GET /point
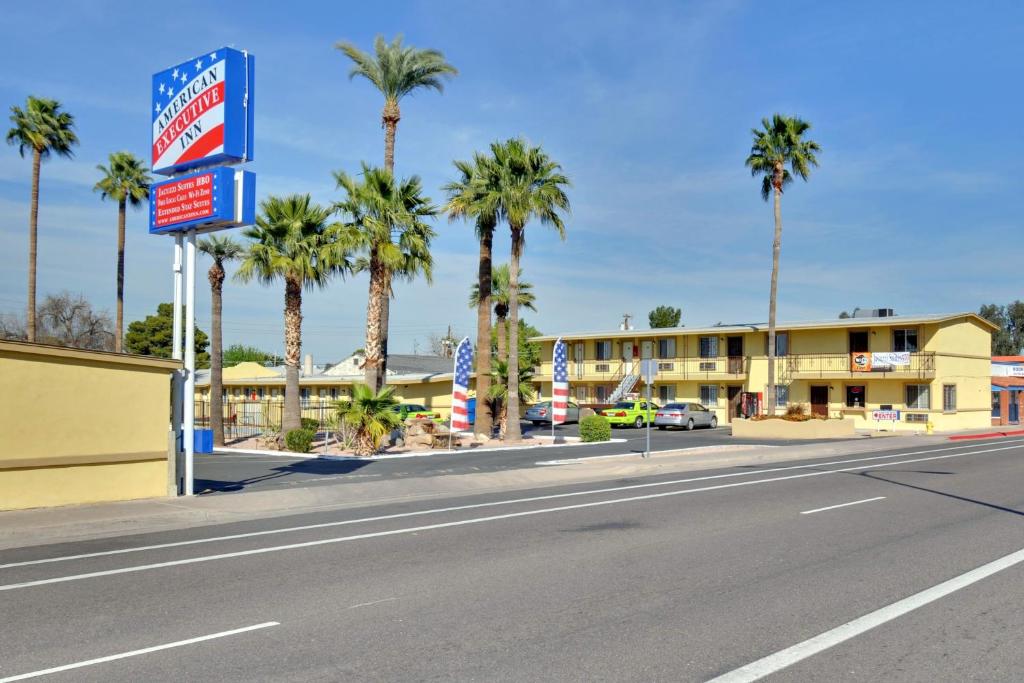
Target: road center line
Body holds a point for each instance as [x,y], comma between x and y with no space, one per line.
[475,506]
[842,505]
[135,653]
[466,522]
[812,646]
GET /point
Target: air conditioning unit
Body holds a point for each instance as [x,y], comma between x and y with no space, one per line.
[709,366]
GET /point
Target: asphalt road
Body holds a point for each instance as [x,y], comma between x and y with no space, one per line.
[230,473]
[679,578]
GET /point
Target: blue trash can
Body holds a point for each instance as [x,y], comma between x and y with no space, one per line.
[471,410]
[202,441]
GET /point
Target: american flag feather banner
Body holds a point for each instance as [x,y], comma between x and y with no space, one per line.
[560,383]
[460,386]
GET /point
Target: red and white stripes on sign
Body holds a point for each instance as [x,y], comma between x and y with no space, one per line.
[559,401]
[460,413]
[191,126]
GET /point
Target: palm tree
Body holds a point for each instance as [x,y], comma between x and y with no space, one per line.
[396,70]
[499,296]
[126,182]
[221,250]
[529,185]
[499,392]
[384,222]
[777,143]
[44,129]
[372,415]
[292,241]
[467,198]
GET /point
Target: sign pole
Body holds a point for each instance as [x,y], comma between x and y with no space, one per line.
[647,452]
[178,379]
[189,404]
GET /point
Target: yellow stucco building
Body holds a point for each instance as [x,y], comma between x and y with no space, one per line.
[930,368]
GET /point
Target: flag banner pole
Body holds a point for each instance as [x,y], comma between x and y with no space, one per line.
[559,386]
[459,414]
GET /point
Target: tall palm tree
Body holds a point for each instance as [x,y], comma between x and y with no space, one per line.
[778,143]
[529,186]
[292,241]
[384,223]
[221,250]
[396,70]
[44,129]
[499,297]
[499,392]
[467,199]
[126,182]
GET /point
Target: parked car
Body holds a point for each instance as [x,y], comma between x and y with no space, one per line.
[637,413]
[539,413]
[415,410]
[685,415]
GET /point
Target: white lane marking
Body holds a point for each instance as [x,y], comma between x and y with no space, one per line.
[812,646]
[463,522]
[474,506]
[135,653]
[717,447]
[842,505]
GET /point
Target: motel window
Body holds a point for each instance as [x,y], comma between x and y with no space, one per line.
[856,395]
[781,395]
[709,347]
[275,392]
[224,394]
[666,393]
[304,393]
[781,344]
[709,394]
[666,348]
[237,392]
[997,408]
[581,394]
[603,350]
[334,393]
[259,393]
[949,398]
[918,396]
[601,393]
[904,340]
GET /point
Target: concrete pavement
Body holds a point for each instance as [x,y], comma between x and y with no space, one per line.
[667,577]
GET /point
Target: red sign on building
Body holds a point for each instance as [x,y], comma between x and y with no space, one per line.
[184,200]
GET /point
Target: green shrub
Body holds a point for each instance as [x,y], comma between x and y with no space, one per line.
[595,428]
[311,423]
[299,440]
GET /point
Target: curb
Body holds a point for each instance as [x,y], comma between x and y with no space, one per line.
[987,435]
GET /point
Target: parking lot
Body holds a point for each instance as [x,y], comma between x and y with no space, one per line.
[226,473]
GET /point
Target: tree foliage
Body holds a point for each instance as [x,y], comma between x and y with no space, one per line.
[239,353]
[43,128]
[64,319]
[1008,340]
[152,336]
[371,414]
[665,316]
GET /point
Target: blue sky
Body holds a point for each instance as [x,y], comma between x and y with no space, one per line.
[917,204]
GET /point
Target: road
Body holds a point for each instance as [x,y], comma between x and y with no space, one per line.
[231,473]
[903,565]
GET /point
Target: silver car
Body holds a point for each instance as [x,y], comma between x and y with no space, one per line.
[539,413]
[685,415]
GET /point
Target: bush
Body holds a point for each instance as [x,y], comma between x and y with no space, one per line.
[595,428]
[311,423]
[299,440]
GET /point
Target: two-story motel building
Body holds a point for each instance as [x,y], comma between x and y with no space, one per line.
[931,368]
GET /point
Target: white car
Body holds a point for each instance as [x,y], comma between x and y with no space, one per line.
[685,415]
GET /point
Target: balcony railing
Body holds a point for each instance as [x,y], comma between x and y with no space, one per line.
[919,364]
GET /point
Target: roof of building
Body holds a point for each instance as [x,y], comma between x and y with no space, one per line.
[1012,360]
[758,327]
[1004,382]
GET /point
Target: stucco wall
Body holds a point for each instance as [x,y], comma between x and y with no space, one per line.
[81,426]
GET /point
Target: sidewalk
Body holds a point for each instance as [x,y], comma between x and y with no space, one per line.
[21,528]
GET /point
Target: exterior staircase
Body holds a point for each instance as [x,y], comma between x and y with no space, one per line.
[625,386]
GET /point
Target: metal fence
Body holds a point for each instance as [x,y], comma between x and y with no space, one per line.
[245,419]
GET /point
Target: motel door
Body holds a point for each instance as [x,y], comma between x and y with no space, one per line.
[735,395]
[819,401]
[1014,407]
[628,351]
[734,349]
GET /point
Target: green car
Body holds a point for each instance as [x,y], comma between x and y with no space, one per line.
[636,413]
[415,410]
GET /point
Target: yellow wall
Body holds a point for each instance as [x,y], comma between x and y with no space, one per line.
[103,437]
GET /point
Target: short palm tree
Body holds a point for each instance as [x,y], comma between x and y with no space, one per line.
[528,186]
[397,70]
[371,415]
[125,181]
[292,241]
[221,250]
[44,129]
[498,394]
[383,222]
[778,143]
[468,199]
[499,297]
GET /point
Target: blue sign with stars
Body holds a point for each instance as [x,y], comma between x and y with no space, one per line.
[202,112]
[209,200]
